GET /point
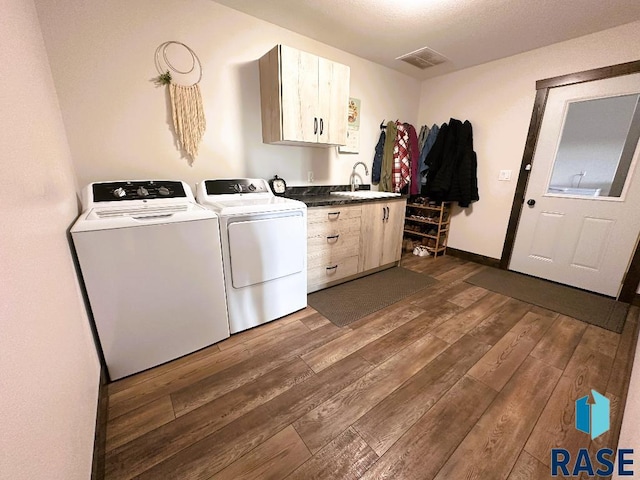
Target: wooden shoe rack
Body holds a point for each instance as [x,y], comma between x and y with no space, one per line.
[428,222]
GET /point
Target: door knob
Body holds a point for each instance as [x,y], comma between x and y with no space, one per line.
[531,202]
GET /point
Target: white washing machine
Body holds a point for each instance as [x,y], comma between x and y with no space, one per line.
[151,261]
[264,249]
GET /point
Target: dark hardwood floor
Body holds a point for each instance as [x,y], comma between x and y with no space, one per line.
[453,382]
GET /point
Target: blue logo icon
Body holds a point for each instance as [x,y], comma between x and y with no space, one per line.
[593,418]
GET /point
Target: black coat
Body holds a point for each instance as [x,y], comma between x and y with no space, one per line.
[452,174]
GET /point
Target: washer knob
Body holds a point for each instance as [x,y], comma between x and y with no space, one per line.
[143,192]
[252,187]
[119,192]
[163,190]
[238,188]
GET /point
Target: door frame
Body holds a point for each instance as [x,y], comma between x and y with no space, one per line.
[632,276]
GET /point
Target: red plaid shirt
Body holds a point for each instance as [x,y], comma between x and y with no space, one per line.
[401,165]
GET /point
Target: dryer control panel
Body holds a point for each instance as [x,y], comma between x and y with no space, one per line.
[237,185]
[137,190]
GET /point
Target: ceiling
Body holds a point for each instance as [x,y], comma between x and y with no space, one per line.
[466,32]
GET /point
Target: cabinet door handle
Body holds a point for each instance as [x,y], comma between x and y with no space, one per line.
[384,213]
[337,214]
[315,125]
[333,267]
[333,237]
[388,213]
[321,126]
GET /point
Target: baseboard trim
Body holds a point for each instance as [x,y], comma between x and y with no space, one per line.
[474,257]
[100,437]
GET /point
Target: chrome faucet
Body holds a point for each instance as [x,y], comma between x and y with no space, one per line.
[353,174]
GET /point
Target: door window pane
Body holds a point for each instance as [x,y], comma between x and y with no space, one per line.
[598,141]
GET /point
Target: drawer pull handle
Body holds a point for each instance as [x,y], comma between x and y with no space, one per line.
[332,268]
[337,214]
[333,237]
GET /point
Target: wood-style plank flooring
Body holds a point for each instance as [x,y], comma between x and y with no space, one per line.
[452,382]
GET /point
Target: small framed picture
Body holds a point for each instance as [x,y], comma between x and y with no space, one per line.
[353,128]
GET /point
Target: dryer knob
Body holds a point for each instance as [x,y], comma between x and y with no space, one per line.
[238,188]
[119,192]
[143,192]
[163,191]
[252,187]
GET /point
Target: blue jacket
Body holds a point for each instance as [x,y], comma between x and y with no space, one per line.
[377,159]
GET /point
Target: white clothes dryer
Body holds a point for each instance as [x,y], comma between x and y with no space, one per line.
[151,262]
[264,249]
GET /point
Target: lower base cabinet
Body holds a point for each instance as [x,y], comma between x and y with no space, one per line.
[381,238]
[345,241]
[333,244]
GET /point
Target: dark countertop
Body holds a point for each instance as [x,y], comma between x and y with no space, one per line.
[320,196]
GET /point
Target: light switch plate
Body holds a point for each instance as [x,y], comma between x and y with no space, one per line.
[505,175]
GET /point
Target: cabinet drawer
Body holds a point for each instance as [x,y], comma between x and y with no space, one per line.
[328,253]
[344,227]
[334,240]
[327,273]
[333,214]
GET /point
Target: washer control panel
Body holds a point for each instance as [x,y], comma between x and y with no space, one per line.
[237,185]
[140,190]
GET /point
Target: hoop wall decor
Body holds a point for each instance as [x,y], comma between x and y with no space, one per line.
[186,101]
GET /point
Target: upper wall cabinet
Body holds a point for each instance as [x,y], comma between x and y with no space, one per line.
[304,98]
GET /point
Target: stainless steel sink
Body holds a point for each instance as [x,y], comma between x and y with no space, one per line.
[366,194]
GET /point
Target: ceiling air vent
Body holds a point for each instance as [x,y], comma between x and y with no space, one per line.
[423,58]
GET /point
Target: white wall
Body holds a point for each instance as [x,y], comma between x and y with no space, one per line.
[49,371]
[102,58]
[497,98]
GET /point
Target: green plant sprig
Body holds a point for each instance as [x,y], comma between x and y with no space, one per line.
[163,79]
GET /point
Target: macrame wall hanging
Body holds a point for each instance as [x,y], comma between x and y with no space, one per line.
[186,101]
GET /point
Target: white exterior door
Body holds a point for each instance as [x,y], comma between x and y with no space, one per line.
[580,223]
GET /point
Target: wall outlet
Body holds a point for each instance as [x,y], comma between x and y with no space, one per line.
[505,175]
[310,176]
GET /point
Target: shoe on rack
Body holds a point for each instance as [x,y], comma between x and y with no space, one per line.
[416,251]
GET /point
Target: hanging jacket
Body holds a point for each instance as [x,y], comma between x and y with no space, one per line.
[414,158]
[452,174]
[401,167]
[440,183]
[428,144]
[464,185]
[422,136]
[433,161]
[386,171]
[376,167]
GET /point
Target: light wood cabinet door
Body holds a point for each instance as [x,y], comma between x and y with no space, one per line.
[299,79]
[372,235]
[304,98]
[381,237]
[394,225]
[333,107]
